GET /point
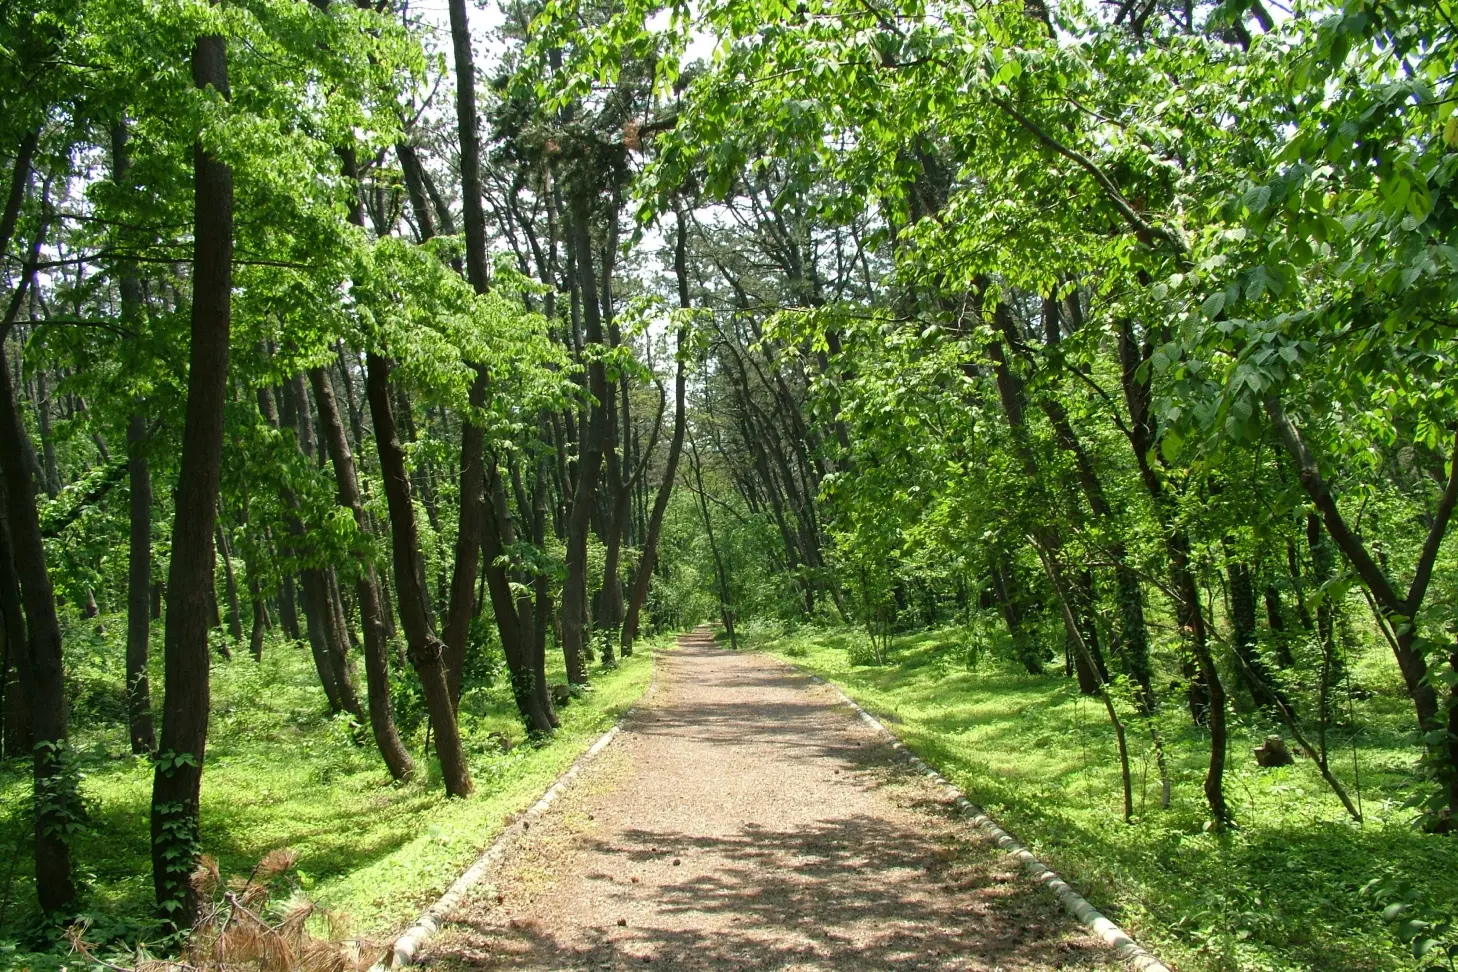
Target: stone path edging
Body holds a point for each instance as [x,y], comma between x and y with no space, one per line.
[407,948]
[1124,947]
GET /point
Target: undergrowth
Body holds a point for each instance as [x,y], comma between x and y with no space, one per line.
[1281,891]
[280,772]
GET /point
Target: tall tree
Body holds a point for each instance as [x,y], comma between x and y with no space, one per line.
[427,651]
[178,779]
[643,575]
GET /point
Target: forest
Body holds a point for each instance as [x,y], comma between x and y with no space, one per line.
[384,384]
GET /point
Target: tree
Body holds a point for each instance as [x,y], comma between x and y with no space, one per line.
[178,779]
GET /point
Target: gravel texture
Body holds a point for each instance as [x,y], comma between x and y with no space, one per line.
[746,819]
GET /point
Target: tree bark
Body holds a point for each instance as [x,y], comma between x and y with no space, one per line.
[288,608]
[1396,608]
[377,658]
[139,585]
[235,613]
[590,453]
[513,623]
[643,576]
[38,662]
[426,649]
[1254,672]
[1206,693]
[726,611]
[178,779]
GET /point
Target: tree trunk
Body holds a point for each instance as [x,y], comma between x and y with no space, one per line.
[1005,589]
[38,662]
[288,608]
[235,614]
[590,450]
[425,648]
[377,658]
[473,514]
[139,584]
[643,576]
[1206,693]
[178,779]
[513,623]
[316,618]
[48,439]
[1276,621]
[726,611]
[321,624]
[351,399]
[1243,628]
[15,736]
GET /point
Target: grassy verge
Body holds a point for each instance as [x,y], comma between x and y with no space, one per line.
[1280,892]
[281,773]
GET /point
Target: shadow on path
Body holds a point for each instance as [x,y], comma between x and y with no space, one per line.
[747,820]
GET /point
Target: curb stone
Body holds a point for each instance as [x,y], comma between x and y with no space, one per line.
[1124,946]
[407,949]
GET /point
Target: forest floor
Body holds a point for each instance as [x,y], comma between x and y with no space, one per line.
[745,818]
[1283,891]
[282,773]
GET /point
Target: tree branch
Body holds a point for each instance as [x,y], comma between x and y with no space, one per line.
[1145,230]
[1311,480]
[1419,586]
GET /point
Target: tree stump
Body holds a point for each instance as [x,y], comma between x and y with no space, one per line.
[1273,752]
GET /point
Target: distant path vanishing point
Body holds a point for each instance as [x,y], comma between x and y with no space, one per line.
[745,818]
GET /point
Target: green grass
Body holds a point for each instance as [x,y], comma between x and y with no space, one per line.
[280,773]
[1280,892]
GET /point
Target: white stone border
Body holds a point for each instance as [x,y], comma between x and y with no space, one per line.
[1124,947]
[406,949]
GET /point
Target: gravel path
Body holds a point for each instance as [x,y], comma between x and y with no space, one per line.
[746,819]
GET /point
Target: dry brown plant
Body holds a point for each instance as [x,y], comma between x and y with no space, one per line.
[242,928]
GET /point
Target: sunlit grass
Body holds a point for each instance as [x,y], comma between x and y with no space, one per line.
[280,772]
[1279,892]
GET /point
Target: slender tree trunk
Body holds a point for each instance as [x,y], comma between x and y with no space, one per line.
[139,584]
[473,511]
[590,454]
[321,625]
[316,615]
[643,576]
[19,182]
[542,587]
[726,611]
[15,736]
[1206,692]
[426,649]
[260,619]
[235,614]
[178,780]
[139,554]
[1009,601]
[377,658]
[48,439]
[1276,621]
[1253,669]
[473,514]
[1089,663]
[351,398]
[38,662]
[288,608]
[512,620]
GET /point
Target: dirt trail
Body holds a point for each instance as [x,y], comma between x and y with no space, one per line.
[746,819]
